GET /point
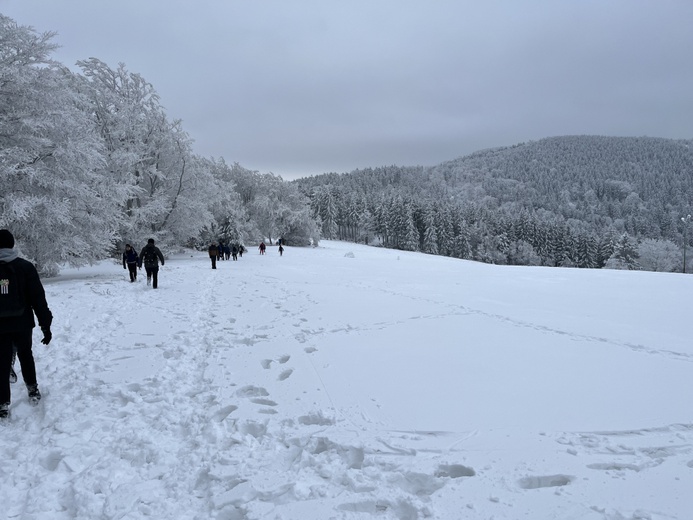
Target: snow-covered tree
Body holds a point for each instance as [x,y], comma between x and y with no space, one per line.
[402,233]
[659,255]
[166,193]
[53,198]
[625,254]
[430,238]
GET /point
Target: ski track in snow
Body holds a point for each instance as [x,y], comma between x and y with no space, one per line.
[100,447]
[461,310]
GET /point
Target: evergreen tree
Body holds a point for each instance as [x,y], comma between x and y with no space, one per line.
[586,251]
[625,254]
[430,239]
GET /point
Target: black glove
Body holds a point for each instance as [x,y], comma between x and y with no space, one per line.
[47,335]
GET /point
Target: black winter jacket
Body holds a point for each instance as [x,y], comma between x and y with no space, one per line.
[35,300]
[156,255]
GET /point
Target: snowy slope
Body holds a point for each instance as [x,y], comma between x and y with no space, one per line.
[350,382]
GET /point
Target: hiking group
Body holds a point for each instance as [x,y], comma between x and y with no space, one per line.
[220,251]
[21,296]
[223,251]
[150,256]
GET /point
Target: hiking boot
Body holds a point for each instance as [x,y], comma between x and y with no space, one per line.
[13,376]
[4,411]
[34,394]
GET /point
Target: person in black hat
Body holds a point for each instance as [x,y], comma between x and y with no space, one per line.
[21,296]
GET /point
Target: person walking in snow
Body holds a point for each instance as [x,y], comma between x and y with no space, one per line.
[262,248]
[213,254]
[281,250]
[130,261]
[234,252]
[150,256]
[21,296]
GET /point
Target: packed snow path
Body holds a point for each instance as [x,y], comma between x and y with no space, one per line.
[352,382]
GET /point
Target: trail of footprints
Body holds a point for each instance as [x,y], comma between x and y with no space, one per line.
[260,396]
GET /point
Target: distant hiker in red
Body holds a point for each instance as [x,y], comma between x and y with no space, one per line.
[262,248]
[150,256]
[213,254]
[130,259]
[21,296]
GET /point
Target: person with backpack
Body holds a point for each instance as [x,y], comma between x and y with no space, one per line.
[21,296]
[150,257]
[130,259]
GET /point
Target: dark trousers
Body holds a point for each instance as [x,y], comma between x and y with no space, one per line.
[153,273]
[21,341]
[214,262]
[133,271]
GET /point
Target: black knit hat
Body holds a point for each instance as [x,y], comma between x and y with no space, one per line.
[150,241]
[6,239]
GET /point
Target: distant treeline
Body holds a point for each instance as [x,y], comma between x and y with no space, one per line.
[582,201]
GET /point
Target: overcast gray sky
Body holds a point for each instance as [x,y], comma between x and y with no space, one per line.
[305,87]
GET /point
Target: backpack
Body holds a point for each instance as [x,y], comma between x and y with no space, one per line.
[150,256]
[12,297]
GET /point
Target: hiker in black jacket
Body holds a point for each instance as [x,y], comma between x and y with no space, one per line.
[150,256]
[130,261]
[213,254]
[21,296]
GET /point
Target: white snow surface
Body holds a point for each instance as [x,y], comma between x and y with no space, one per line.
[351,382]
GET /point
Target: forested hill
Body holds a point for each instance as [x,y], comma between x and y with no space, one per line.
[572,189]
[592,171]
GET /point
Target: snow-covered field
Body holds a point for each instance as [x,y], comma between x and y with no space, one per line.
[348,382]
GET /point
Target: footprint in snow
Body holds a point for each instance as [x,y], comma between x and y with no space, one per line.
[224,412]
[252,391]
[454,471]
[264,402]
[285,374]
[545,481]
